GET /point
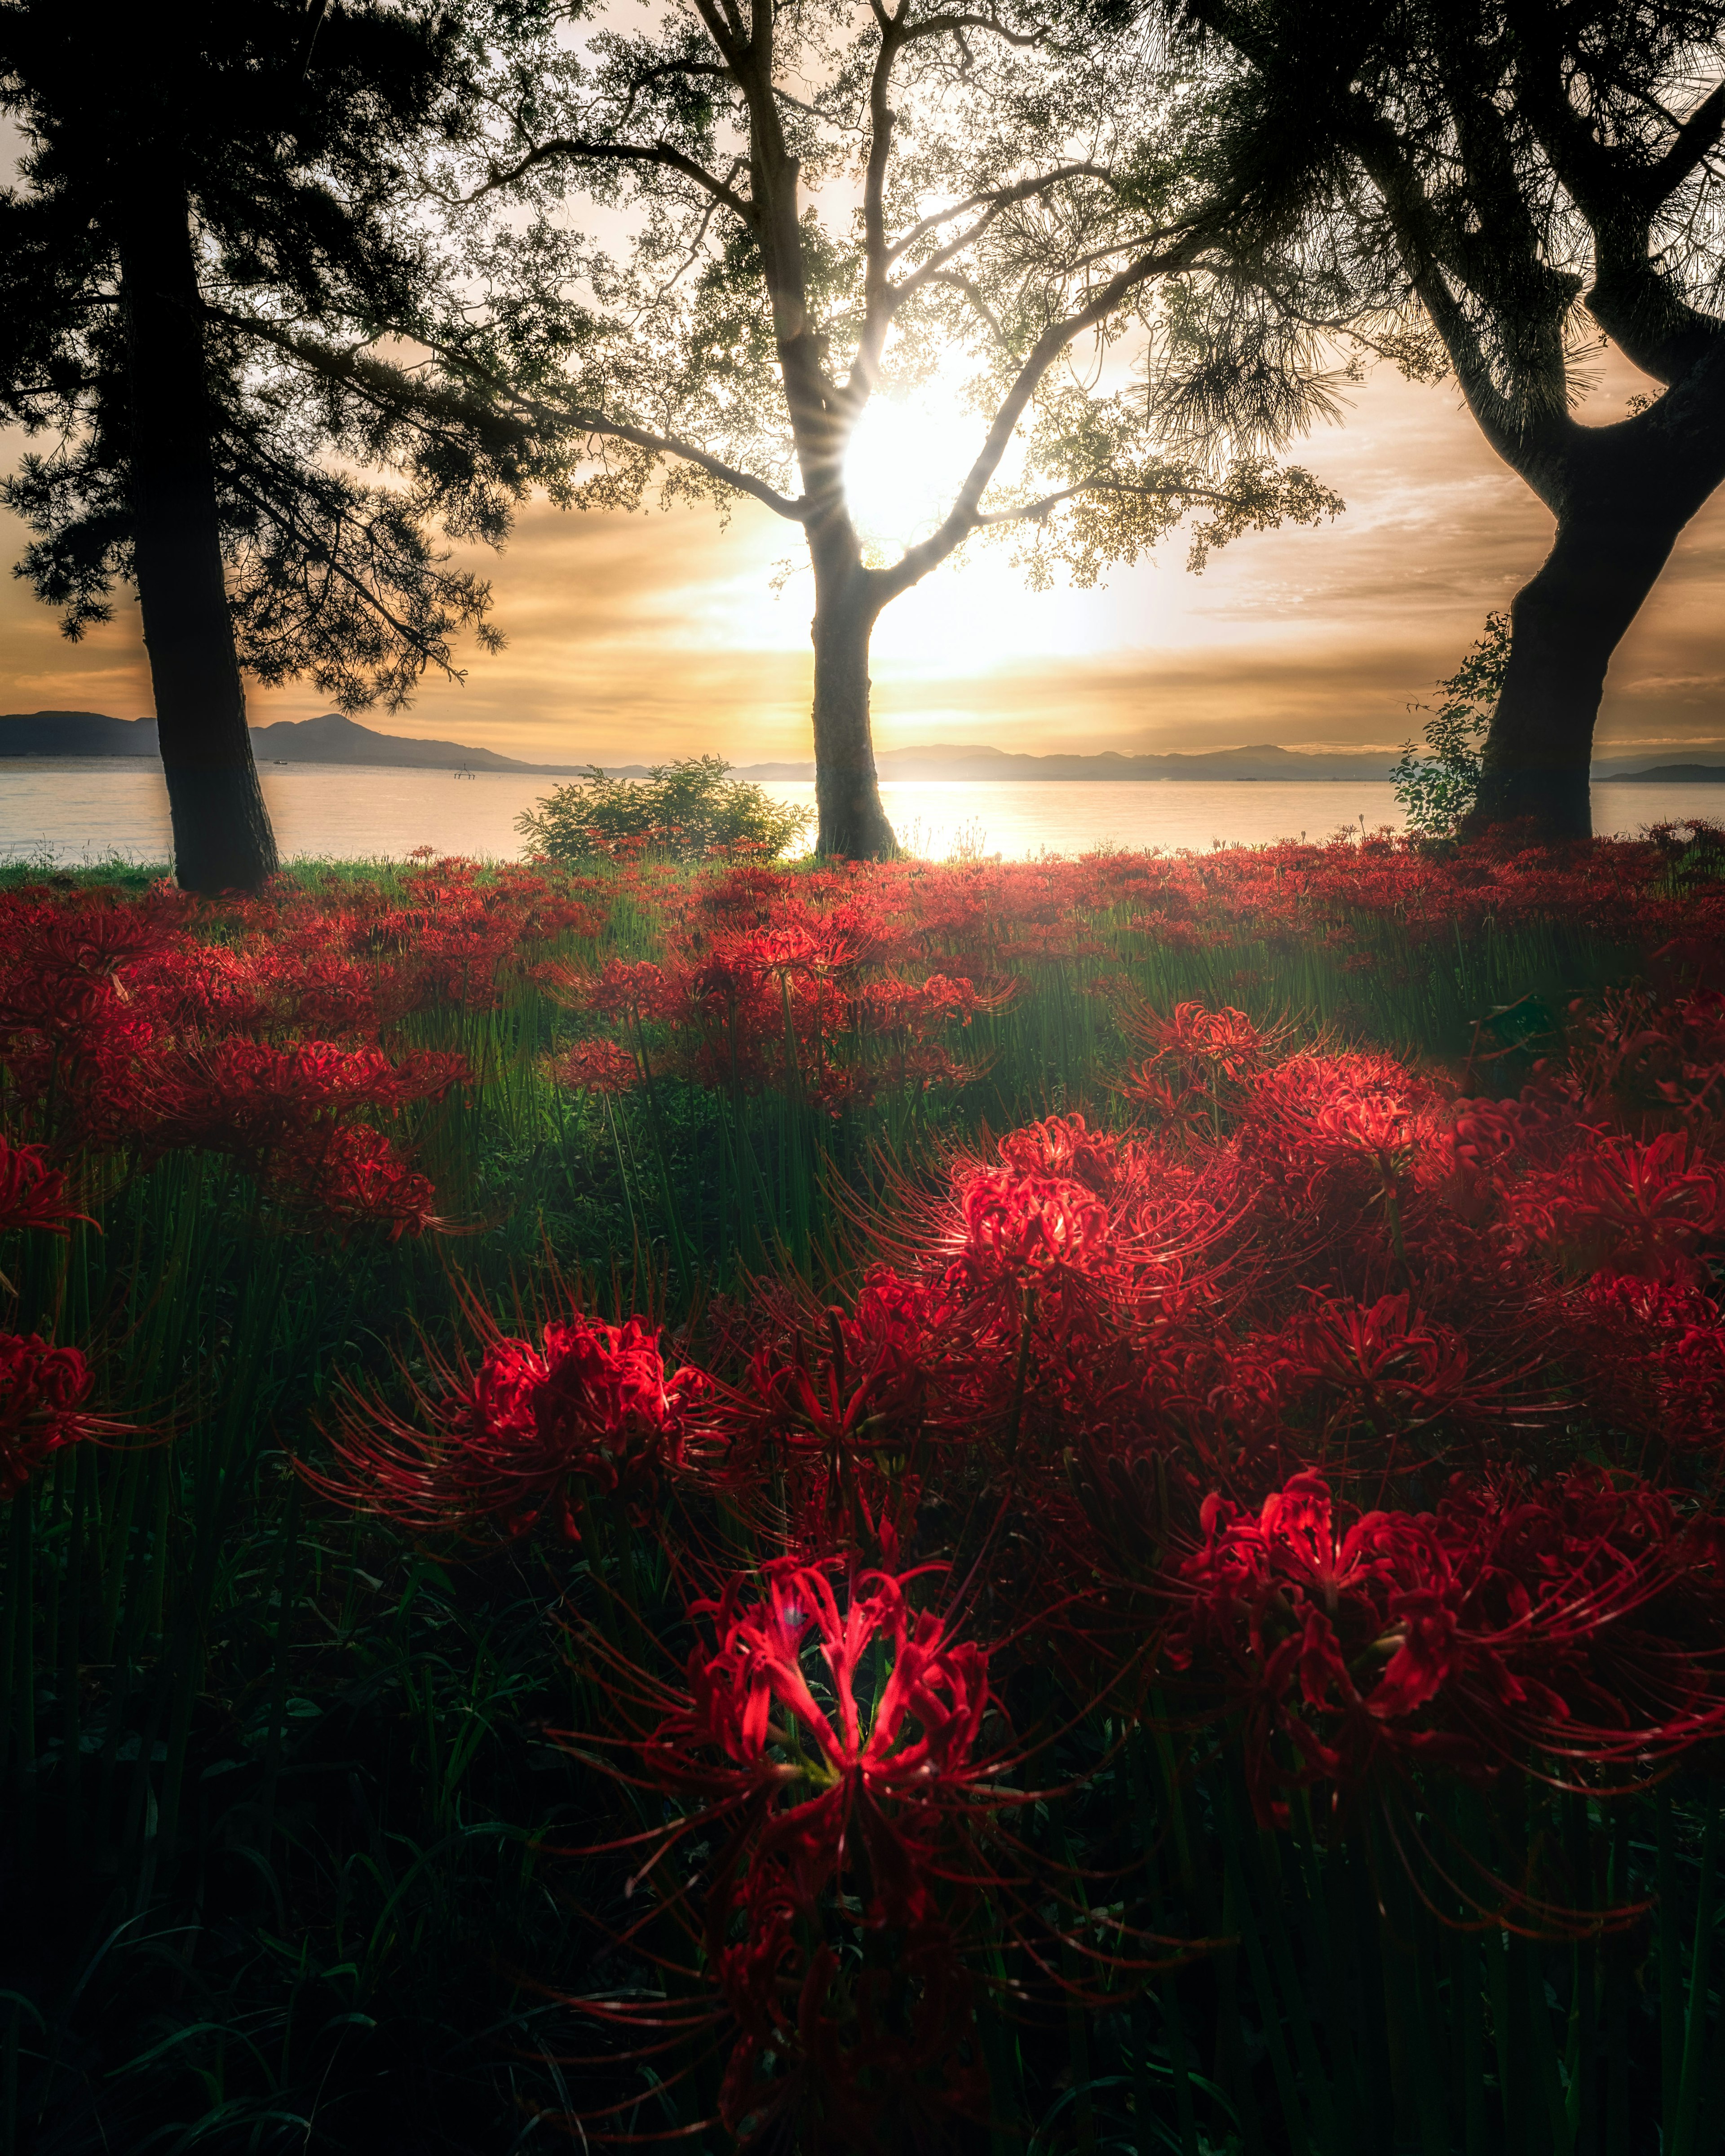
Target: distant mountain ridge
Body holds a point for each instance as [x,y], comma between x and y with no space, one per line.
[75,733]
[331,739]
[335,739]
[1665,774]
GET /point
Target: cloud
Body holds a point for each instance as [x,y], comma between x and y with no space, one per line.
[659,635]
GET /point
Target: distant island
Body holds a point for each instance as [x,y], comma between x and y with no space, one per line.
[1667,774]
[331,739]
[335,739]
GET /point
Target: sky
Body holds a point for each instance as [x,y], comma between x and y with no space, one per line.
[641,638]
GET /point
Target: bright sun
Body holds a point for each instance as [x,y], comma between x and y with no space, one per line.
[905,462]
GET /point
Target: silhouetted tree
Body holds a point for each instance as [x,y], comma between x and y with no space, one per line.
[1488,189]
[215,227]
[803,203]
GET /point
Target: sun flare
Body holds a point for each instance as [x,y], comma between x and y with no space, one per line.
[906,461]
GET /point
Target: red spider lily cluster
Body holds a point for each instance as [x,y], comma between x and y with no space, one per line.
[519,1433]
[1319,1399]
[251,1029]
[849,984]
[1288,1390]
[254,1028]
[816,1001]
[43,1388]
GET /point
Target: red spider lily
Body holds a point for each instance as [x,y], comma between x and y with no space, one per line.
[1033,1228]
[1623,1206]
[287,1116]
[1315,1114]
[833,1788]
[845,1408]
[622,986]
[1501,1627]
[1202,1058]
[1225,1041]
[522,1436]
[354,1175]
[42,1390]
[32,1193]
[1651,1355]
[745,888]
[847,1822]
[596,1066]
[810,945]
[63,964]
[1386,1368]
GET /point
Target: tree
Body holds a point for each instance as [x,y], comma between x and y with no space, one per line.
[1488,189]
[215,228]
[821,202]
[1440,791]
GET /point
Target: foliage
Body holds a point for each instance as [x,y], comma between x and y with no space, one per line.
[1437,790]
[1489,191]
[1474,187]
[287,136]
[964,1506]
[686,811]
[829,206]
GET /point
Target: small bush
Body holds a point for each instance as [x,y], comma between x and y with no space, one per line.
[1436,790]
[688,811]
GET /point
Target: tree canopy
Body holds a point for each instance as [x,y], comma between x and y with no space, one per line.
[294,132]
[1486,190]
[707,240]
[215,227]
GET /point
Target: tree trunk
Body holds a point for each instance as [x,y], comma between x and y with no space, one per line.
[1565,625]
[222,836]
[852,822]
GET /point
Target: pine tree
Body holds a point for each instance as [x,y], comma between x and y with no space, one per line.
[217,224]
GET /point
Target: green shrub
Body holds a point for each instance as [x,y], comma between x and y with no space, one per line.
[1436,790]
[687,811]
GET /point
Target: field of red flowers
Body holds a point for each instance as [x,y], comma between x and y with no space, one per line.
[1052,1507]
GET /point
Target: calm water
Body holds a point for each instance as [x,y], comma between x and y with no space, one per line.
[91,807]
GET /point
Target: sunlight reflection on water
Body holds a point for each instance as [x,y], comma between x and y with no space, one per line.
[88,808]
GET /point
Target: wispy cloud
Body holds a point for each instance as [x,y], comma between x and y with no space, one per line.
[660,635]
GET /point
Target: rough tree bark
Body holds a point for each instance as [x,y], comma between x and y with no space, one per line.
[852,821]
[222,836]
[1621,496]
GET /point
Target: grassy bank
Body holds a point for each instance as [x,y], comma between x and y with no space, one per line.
[359,1781]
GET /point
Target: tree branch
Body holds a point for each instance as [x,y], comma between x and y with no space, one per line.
[577,152]
[946,26]
[1631,298]
[1033,512]
[588,421]
[1695,140]
[995,199]
[962,520]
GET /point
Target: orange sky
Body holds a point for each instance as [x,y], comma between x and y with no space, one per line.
[638,638]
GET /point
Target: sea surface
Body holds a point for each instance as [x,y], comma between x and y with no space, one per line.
[74,811]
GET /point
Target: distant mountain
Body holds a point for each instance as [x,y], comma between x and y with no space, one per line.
[334,739]
[1665,774]
[331,739]
[944,760]
[75,733]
